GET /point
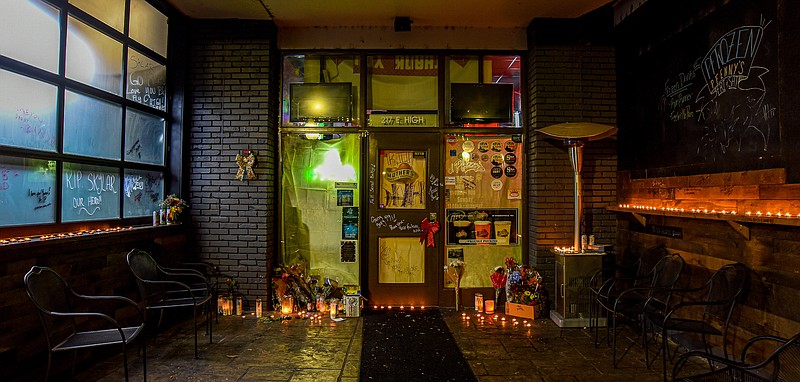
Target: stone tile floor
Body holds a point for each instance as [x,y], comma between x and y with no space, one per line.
[246,349]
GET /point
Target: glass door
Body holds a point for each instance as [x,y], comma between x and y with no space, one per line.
[403,191]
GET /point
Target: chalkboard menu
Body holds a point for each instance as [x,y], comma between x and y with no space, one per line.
[89,192]
[705,97]
[144,191]
[27,189]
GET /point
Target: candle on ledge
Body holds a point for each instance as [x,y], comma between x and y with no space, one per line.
[259,311]
[489,306]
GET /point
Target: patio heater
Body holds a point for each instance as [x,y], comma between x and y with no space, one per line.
[575,135]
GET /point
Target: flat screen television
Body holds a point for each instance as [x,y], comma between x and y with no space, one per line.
[322,102]
[481,103]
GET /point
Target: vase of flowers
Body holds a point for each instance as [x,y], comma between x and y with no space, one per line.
[454,272]
[498,278]
[173,206]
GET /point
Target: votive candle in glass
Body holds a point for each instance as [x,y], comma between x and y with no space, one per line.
[259,312]
[479,302]
[489,306]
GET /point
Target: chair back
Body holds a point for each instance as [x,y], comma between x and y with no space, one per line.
[725,287]
[145,269]
[50,293]
[665,275]
[647,264]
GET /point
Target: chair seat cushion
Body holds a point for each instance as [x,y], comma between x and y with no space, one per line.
[99,337]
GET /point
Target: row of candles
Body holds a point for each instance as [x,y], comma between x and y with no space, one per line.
[492,319]
[712,211]
[18,240]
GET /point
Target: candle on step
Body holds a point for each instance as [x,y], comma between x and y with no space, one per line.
[489,306]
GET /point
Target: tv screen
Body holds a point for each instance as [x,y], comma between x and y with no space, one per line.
[481,103]
[324,102]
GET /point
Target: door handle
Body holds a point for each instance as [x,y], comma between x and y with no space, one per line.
[563,290]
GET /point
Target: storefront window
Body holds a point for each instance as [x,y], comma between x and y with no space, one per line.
[483,203]
[321,90]
[403,91]
[484,91]
[320,205]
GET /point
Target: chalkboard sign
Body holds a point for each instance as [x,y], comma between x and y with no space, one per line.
[147,81]
[144,190]
[89,192]
[27,189]
[705,97]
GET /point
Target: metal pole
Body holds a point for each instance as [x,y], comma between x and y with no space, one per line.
[576,158]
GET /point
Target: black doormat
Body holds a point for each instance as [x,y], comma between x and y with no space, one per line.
[410,346]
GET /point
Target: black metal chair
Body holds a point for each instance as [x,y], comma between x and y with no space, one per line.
[163,289]
[781,364]
[630,303]
[63,312]
[606,291]
[709,315]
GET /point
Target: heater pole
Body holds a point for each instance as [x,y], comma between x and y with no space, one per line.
[576,158]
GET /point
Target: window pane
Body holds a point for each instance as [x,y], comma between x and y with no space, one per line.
[89,192]
[143,192]
[310,70]
[148,26]
[93,58]
[144,138]
[27,113]
[27,190]
[147,81]
[403,90]
[38,23]
[111,12]
[91,127]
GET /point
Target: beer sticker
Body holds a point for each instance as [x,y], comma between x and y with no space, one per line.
[483,146]
[497,185]
[468,146]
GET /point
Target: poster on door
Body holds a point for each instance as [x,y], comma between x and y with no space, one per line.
[484,226]
[403,179]
[483,170]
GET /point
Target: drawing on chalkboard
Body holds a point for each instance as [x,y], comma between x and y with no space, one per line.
[728,68]
[703,98]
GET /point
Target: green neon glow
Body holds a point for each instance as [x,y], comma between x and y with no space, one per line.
[332,168]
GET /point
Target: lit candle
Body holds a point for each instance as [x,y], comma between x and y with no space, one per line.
[489,306]
[258,308]
[479,302]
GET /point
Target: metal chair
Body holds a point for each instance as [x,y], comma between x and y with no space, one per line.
[171,288]
[63,311]
[630,303]
[605,292]
[710,315]
[782,364]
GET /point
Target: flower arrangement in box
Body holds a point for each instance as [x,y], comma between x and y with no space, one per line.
[524,285]
[304,290]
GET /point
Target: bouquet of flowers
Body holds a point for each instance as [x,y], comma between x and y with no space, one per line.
[454,272]
[174,207]
[498,278]
[173,202]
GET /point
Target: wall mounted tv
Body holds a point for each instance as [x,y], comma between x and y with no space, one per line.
[481,103]
[322,102]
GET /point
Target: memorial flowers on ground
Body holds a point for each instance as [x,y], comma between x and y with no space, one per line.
[454,272]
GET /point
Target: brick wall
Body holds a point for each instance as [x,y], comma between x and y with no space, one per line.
[568,82]
[232,107]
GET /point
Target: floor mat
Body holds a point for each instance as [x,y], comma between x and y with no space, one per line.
[410,346]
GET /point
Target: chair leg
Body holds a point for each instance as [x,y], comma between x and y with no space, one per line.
[144,357]
[614,340]
[194,315]
[49,362]
[665,351]
[125,359]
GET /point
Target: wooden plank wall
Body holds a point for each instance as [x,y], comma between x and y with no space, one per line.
[772,252]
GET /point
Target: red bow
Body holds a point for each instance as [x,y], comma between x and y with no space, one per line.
[428,229]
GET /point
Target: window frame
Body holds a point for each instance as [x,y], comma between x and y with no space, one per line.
[65,84]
